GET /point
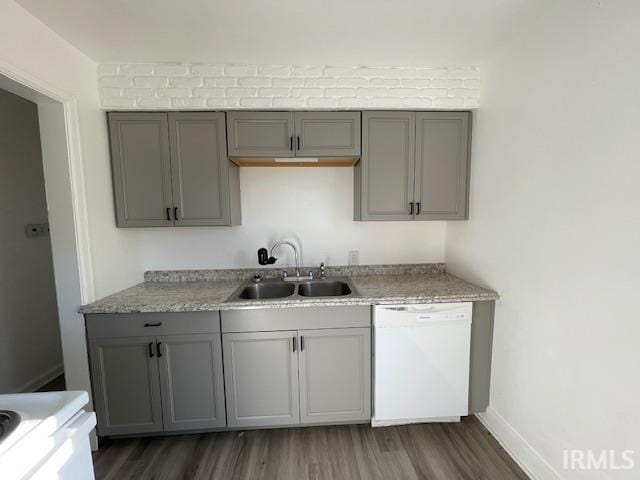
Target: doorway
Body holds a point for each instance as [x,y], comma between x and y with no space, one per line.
[30,347]
[67,212]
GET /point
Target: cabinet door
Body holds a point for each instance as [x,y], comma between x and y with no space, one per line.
[261,378]
[327,134]
[442,165]
[191,381]
[260,134]
[126,386]
[335,375]
[385,175]
[200,168]
[141,169]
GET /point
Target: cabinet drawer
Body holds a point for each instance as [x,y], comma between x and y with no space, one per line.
[143,324]
[271,319]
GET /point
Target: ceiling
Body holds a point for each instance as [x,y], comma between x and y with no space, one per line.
[334,32]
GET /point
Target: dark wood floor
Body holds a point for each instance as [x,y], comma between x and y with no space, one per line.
[463,450]
[439,451]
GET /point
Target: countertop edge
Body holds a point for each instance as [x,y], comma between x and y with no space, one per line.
[325,302]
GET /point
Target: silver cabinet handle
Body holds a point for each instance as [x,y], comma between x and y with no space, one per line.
[302,343]
[294,343]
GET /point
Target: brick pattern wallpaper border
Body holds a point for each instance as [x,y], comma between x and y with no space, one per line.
[147,86]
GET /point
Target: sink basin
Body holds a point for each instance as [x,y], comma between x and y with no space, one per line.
[259,291]
[9,420]
[293,289]
[324,288]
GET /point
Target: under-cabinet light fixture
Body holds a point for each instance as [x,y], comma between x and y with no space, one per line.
[297,160]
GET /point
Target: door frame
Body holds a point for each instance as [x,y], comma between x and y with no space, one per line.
[67,209]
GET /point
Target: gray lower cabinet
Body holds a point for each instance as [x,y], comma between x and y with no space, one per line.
[290,377]
[293,134]
[414,166]
[156,372]
[172,169]
[261,378]
[126,386]
[191,382]
[335,375]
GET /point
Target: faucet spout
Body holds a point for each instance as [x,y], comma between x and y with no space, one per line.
[295,253]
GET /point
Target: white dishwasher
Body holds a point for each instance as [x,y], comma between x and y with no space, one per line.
[421,363]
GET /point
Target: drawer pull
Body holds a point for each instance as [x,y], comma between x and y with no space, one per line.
[157,324]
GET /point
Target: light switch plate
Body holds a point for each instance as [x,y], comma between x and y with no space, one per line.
[354,257]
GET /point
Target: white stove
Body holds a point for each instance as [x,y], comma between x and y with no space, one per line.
[52,438]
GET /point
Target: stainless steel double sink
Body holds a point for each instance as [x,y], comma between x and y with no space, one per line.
[276,288]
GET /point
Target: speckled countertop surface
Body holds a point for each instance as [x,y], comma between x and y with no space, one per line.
[179,292]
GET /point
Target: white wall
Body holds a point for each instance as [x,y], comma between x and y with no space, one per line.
[30,52]
[120,256]
[33,48]
[554,228]
[30,351]
[313,206]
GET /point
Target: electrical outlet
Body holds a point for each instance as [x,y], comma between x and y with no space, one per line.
[354,257]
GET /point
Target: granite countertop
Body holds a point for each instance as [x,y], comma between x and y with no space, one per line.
[207,290]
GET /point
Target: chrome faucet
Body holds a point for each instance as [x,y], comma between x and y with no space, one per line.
[295,254]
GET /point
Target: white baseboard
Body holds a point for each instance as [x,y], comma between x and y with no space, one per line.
[533,464]
[40,380]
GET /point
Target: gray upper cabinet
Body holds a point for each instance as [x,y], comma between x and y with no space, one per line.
[384,177]
[201,171]
[261,378]
[327,134]
[414,166]
[172,169]
[191,381]
[335,375]
[126,389]
[260,134]
[442,165]
[141,168]
[293,134]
